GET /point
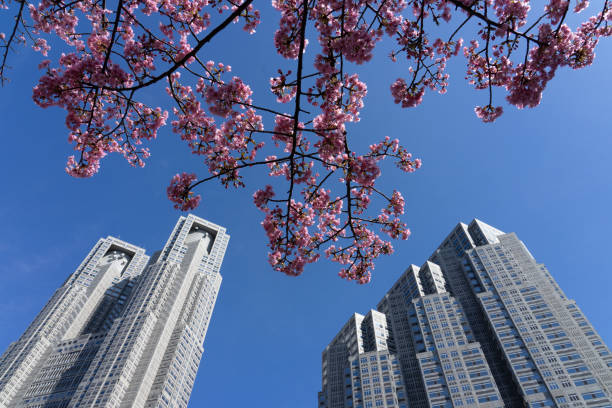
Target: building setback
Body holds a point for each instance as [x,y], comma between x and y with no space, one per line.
[123,330]
[480,324]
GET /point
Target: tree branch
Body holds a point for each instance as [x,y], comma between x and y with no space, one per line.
[10,40]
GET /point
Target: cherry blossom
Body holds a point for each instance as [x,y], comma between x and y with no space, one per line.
[325,198]
[179,192]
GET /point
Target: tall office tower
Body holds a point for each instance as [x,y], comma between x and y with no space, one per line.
[480,324]
[123,330]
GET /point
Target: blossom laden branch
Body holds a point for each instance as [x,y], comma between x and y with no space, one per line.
[325,199]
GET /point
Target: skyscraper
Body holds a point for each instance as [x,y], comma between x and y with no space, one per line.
[479,324]
[123,330]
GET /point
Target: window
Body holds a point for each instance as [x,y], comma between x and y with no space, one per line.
[488,398]
[593,395]
[585,381]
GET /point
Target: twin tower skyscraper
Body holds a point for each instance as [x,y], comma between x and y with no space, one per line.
[124,330]
[480,324]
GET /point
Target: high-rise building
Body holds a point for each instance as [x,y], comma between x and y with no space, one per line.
[123,330]
[480,324]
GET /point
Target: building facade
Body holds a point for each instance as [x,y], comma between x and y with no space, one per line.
[480,324]
[124,330]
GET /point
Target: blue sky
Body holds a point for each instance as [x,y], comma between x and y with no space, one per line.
[543,173]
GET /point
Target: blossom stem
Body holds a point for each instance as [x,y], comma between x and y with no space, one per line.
[7,46]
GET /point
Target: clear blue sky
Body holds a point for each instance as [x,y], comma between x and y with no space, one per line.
[543,173]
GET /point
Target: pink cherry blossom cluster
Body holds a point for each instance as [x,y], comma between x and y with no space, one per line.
[179,192]
[118,55]
[494,58]
[227,146]
[299,230]
[488,113]
[288,37]
[331,204]
[430,57]
[100,121]
[278,85]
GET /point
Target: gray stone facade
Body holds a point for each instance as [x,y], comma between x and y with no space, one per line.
[480,324]
[123,330]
